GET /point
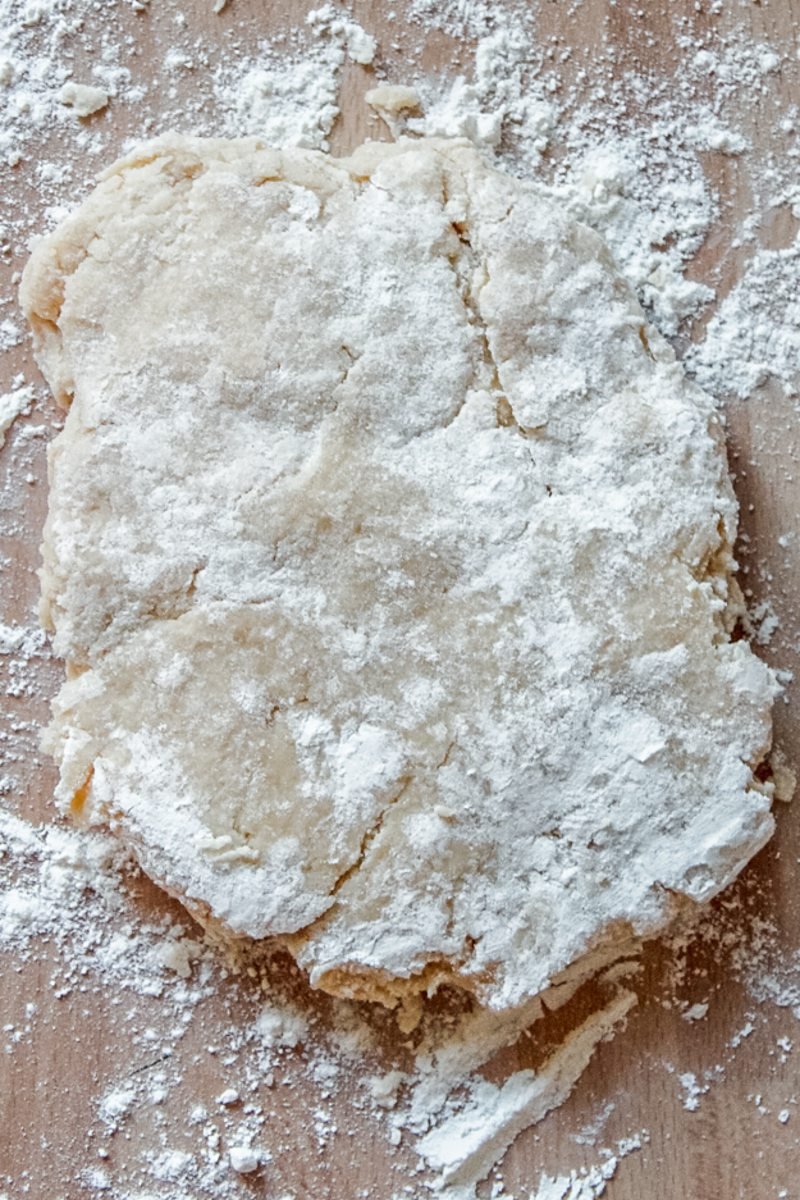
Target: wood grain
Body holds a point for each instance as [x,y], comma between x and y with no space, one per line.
[733,1145]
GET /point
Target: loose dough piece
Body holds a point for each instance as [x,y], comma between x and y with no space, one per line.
[389,552]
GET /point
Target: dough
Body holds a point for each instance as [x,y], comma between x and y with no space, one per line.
[389,552]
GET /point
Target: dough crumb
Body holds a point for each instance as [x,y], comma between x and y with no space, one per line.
[12,405]
[244,1159]
[393,98]
[83,99]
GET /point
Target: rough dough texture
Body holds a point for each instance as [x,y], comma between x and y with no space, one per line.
[389,553]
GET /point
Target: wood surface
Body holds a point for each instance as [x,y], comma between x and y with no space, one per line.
[733,1145]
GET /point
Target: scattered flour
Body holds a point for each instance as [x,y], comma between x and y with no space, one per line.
[577,1185]
[498,102]
[755,334]
[292,99]
[290,103]
[692,1091]
[464,1147]
[117,1104]
[279,1026]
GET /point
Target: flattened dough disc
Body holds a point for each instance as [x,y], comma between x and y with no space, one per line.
[389,553]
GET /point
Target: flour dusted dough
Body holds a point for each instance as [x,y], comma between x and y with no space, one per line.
[389,553]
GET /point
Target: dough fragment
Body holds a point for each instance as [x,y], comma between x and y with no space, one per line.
[83,99]
[389,552]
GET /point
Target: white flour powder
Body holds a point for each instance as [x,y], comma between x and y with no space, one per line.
[68,899]
[754,336]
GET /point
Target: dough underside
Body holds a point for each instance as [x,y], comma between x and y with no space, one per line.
[389,553]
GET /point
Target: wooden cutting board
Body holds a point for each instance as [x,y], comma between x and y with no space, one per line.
[736,1141]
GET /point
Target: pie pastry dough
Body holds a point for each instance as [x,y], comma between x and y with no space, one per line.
[389,552]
